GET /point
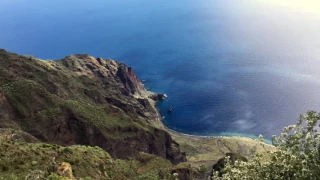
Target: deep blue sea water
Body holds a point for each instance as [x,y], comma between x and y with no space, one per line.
[229,67]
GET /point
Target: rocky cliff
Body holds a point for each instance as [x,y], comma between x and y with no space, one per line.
[82,100]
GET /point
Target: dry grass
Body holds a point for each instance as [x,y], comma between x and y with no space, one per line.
[208,150]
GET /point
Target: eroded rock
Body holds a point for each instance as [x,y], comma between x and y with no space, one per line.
[158,97]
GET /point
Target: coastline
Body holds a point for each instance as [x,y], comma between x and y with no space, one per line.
[209,149]
[171,131]
[160,124]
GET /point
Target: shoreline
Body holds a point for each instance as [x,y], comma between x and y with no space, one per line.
[202,149]
[177,133]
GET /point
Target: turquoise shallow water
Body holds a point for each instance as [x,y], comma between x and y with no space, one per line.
[229,67]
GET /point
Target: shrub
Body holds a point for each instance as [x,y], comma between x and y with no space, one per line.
[296,158]
[203,168]
[54,176]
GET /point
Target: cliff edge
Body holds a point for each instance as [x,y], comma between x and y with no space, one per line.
[82,100]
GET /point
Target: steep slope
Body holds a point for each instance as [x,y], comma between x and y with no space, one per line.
[82,100]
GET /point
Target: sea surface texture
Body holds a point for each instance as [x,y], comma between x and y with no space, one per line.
[229,67]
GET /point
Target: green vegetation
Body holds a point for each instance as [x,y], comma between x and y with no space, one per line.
[20,160]
[146,166]
[22,94]
[96,115]
[297,156]
[71,100]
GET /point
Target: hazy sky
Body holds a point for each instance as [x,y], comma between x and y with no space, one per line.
[307,6]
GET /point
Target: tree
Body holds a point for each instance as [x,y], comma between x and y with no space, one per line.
[296,157]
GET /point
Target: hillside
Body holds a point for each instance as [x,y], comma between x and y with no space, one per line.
[89,112]
[81,100]
[39,161]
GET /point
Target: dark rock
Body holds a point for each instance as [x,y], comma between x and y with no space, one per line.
[160,144]
[144,102]
[158,97]
[101,61]
[129,79]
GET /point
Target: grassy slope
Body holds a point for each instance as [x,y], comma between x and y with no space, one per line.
[209,150]
[20,159]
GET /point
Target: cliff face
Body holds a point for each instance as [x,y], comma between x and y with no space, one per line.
[82,100]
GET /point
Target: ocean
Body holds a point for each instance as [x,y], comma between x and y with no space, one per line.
[229,67]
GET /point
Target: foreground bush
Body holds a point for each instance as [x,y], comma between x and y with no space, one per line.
[296,158]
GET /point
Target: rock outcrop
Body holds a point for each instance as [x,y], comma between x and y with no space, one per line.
[158,97]
[82,100]
[65,170]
